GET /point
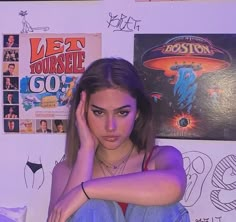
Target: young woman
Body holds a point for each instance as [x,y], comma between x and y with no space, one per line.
[112,170]
[11,113]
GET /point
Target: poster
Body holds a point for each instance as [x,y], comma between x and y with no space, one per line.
[40,72]
[191,79]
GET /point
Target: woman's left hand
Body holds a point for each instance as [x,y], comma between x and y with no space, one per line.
[67,206]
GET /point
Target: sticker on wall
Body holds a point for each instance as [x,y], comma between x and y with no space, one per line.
[40,72]
[191,79]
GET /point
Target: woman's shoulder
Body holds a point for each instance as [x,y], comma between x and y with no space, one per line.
[166,155]
[164,149]
[61,169]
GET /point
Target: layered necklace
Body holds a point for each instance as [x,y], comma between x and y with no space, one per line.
[111,169]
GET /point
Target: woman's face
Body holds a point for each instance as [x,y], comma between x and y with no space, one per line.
[111,115]
[11,110]
[60,128]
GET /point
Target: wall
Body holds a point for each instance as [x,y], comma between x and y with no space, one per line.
[17,186]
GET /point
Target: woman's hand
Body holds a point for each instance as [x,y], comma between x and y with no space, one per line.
[87,139]
[67,206]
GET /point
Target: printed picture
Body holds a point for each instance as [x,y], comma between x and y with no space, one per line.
[191,79]
[42,83]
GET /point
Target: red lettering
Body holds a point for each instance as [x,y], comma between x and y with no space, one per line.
[35,54]
[73,46]
[54,46]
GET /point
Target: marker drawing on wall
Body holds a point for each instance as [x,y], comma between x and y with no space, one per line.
[26,25]
[197,167]
[62,159]
[123,23]
[34,174]
[224,179]
[209,219]
[56,162]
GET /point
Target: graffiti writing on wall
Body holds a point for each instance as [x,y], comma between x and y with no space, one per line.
[123,23]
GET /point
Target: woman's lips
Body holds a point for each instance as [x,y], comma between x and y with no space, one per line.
[110,138]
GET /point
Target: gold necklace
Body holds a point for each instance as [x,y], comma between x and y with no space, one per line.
[110,169]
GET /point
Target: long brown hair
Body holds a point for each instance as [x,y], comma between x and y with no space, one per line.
[112,73]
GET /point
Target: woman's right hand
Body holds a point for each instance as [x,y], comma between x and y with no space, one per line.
[87,139]
[66,207]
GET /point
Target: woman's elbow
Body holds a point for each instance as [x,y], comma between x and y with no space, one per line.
[179,184]
[176,188]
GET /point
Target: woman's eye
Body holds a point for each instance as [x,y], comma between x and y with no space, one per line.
[123,113]
[98,112]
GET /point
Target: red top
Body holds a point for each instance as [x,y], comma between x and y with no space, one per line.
[144,168]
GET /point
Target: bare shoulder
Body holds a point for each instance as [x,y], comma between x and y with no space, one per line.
[60,176]
[61,170]
[166,149]
[167,156]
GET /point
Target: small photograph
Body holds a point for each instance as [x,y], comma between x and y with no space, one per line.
[11,112]
[11,55]
[59,126]
[44,126]
[10,83]
[11,41]
[10,97]
[10,69]
[27,126]
[11,126]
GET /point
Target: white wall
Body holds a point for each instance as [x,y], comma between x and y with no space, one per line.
[91,17]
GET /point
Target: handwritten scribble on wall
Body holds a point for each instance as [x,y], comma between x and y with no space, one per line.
[197,167]
[224,178]
[123,23]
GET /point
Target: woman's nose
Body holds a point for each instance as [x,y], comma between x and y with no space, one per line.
[110,123]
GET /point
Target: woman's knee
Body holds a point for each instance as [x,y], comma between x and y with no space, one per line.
[96,210]
[183,214]
[175,212]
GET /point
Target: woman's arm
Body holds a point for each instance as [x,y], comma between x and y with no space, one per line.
[83,168]
[161,186]
[65,178]
[60,176]
[164,185]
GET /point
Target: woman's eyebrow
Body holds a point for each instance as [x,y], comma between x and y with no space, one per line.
[119,108]
[97,107]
